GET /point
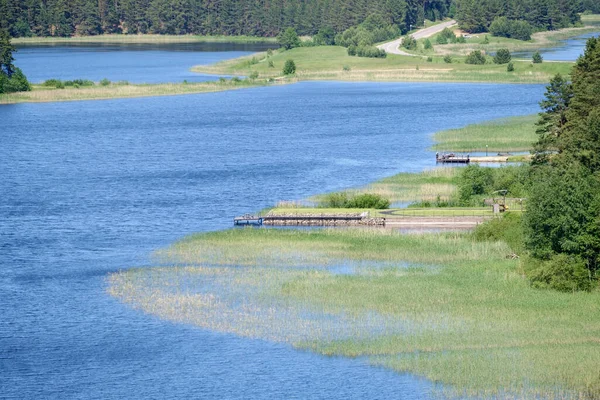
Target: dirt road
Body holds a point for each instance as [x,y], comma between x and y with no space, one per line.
[393,46]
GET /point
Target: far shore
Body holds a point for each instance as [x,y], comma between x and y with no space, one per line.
[147,38]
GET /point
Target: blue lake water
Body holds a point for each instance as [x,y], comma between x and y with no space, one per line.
[567,50]
[89,188]
[136,63]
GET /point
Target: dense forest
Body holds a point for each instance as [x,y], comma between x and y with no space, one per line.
[268,17]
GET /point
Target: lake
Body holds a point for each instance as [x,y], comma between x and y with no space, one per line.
[94,187]
[135,62]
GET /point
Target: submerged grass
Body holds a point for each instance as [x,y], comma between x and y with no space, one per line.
[503,135]
[462,315]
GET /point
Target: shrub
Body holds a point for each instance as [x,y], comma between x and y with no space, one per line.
[270,64]
[289,68]
[235,79]
[562,272]
[486,40]
[537,58]
[288,39]
[104,82]
[430,59]
[448,59]
[507,228]
[222,80]
[269,52]
[510,67]
[473,180]
[370,51]
[362,200]
[352,50]
[253,75]
[57,83]
[346,68]
[441,40]
[16,83]
[409,43]
[502,57]
[368,200]
[475,58]
[460,39]
[427,44]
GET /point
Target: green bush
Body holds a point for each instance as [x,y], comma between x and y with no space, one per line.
[288,39]
[368,200]
[253,75]
[362,200]
[562,272]
[57,83]
[16,83]
[502,56]
[104,82]
[427,44]
[474,180]
[270,64]
[409,43]
[430,59]
[370,52]
[448,59]
[475,58]
[507,228]
[290,67]
[537,58]
[510,67]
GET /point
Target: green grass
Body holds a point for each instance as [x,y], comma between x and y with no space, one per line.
[443,306]
[42,94]
[501,135]
[329,62]
[145,39]
[428,185]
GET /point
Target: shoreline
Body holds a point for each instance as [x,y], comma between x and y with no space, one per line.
[143,39]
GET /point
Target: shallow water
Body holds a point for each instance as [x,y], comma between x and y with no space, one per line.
[566,50]
[90,188]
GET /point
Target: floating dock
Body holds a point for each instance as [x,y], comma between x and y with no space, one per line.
[248,219]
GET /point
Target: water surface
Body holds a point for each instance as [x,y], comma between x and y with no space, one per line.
[136,63]
[565,50]
[94,187]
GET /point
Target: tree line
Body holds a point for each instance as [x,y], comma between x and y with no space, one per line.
[226,17]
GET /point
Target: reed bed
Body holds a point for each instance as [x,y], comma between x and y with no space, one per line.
[501,135]
[443,306]
[115,91]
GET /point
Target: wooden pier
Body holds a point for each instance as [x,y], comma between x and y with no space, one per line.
[308,220]
[452,158]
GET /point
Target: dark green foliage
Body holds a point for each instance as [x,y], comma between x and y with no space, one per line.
[562,272]
[288,39]
[104,82]
[362,200]
[253,75]
[504,27]
[474,180]
[6,54]
[270,17]
[430,59]
[441,39]
[409,43]
[486,40]
[510,67]
[289,68]
[325,37]
[476,58]
[508,228]
[12,78]
[553,118]
[448,59]
[427,44]
[537,58]
[368,51]
[478,15]
[502,56]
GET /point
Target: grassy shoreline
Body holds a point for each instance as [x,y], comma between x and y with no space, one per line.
[143,39]
[41,94]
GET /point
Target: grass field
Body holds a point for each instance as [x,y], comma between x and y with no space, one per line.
[41,94]
[501,135]
[333,63]
[144,39]
[443,306]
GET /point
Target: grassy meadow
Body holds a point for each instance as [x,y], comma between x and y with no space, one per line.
[333,63]
[443,306]
[500,135]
